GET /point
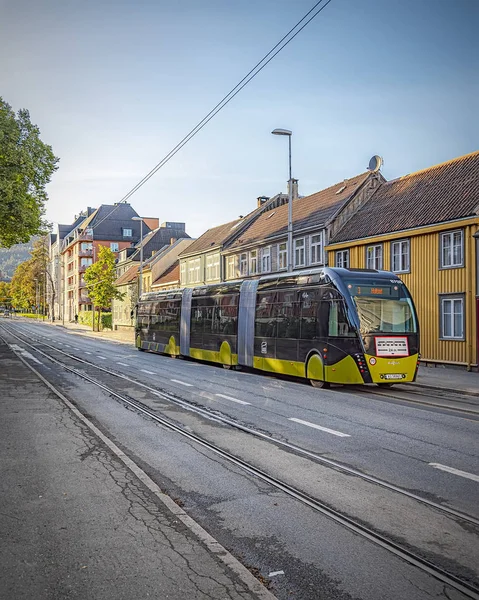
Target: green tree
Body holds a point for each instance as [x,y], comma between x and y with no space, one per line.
[26,166]
[5,294]
[99,278]
[29,282]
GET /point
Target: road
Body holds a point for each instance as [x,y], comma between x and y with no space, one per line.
[374,459]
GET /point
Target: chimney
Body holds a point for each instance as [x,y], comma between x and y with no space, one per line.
[261,200]
[172,241]
[295,188]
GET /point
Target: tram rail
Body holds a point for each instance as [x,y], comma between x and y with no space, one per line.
[415,559]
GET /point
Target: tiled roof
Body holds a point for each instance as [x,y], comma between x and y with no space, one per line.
[128,276]
[311,211]
[211,238]
[171,275]
[438,194]
[156,240]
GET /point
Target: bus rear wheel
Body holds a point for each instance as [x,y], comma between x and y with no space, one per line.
[317,383]
[385,385]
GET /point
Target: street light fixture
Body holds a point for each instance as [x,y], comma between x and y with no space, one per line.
[141,254]
[289,133]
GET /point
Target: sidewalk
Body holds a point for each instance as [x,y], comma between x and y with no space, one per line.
[76,522]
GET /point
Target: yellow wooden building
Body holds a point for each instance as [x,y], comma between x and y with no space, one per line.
[425,228]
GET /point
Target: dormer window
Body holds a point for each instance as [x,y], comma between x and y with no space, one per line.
[127,232]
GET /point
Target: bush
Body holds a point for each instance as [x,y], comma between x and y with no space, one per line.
[85,317]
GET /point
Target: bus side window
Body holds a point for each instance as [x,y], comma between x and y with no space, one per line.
[323,318]
[338,321]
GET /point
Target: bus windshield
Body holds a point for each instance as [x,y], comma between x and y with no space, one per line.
[383,308]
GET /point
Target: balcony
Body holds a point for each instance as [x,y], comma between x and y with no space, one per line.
[76,236]
[84,300]
[85,253]
[83,268]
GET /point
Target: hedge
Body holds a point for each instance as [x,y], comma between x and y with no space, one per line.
[85,317]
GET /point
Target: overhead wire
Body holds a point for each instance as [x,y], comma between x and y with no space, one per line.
[226,99]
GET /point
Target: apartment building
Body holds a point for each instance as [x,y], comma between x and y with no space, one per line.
[109,225]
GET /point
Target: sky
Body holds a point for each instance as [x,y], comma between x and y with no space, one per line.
[114,85]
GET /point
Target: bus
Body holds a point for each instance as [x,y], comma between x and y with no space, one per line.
[328,325]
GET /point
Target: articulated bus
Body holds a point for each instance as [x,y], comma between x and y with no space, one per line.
[328,325]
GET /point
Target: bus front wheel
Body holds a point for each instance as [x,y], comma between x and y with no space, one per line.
[317,383]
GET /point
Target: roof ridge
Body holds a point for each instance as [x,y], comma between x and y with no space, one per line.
[336,184]
[446,162]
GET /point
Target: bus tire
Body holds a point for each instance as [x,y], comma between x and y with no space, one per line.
[317,383]
[227,367]
[385,385]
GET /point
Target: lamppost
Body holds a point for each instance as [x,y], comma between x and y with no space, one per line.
[35,279]
[290,201]
[141,254]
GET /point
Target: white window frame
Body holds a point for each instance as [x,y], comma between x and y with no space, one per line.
[374,259]
[316,249]
[299,250]
[451,240]
[210,267]
[183,273]
[114,245]
[266,259]
[216,266]
[231,267]
[253,262]
[243,264]
[194,271]
[341,259]
[125,230]
[282,256]
[400,256]
[451,305]
[86,262]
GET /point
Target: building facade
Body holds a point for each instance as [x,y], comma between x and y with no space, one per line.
[423,227]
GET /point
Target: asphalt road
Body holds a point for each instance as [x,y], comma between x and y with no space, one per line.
[268,531]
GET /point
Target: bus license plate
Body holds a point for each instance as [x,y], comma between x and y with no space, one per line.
[394,376]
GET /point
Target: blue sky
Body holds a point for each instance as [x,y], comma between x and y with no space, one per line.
[114,85]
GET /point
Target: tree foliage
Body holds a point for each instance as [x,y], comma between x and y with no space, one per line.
[29,282]
[26,166]
[99,279]
[5,294]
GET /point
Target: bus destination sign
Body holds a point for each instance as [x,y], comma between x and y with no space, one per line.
[377,290]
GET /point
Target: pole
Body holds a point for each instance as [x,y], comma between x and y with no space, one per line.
[140,286]
[290,214]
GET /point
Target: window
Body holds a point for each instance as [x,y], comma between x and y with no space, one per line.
[231,267]
[89,231]
[400,256]
[243,264]
[114,246]
[127,232]
[282,256]
[342,259]
[212,267]
[253,262]
[452,317]
[316,248]
[182,273]
[299,260]
[451,244]
[194,271]
[266,260]
[374,257]
[86,262]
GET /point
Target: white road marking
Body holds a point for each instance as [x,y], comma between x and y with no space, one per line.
[273,573]
[149,372]
[28,355]
[23,352]
[232,399]
[67,346]
[122,364]
[455,471]
[87,352]
[182,382]
[308,424]
[101,357]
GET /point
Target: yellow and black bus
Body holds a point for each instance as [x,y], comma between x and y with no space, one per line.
[329,325]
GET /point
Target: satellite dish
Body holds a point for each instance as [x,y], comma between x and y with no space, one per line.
[375,163]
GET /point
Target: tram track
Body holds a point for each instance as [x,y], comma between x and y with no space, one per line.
[355,526]
[221,418]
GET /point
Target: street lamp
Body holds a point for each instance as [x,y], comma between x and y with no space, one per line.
[35,279]
[290,201]
[141,254]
